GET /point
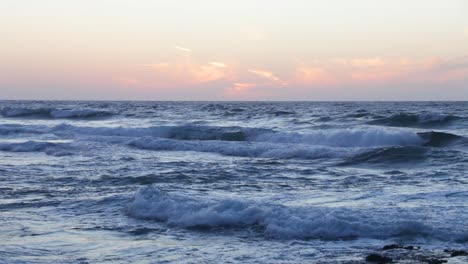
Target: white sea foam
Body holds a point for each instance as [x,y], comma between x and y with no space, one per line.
[286,222]
[243,149]
[236,141]
[364,137]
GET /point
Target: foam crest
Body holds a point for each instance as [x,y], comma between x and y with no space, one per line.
[186,132]
[242,149]
[284,222]
[364,137]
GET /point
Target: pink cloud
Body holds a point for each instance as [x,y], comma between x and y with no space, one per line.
[236,82]
[243,91]
[182,73]
[372,71]
[265,74]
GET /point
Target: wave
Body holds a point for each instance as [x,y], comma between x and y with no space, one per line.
[184,132]
[408,153]
[399,154]
[50,148]
[8,129]
[283,222]
[366,137]
[281,113]
[257,142]
[241,149]
[440,139]
[53,113]
[417,120]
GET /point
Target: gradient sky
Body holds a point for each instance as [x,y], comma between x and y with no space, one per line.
[234,50]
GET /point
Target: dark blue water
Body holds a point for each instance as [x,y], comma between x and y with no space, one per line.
[245,182]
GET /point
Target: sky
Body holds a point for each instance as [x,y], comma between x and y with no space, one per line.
[234,50]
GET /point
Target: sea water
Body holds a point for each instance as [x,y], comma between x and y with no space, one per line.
[238,182]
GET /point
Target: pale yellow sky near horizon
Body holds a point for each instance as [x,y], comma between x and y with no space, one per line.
[234,50]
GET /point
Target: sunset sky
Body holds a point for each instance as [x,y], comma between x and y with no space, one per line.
[234,50]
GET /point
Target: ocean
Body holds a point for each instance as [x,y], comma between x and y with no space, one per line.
[232,182]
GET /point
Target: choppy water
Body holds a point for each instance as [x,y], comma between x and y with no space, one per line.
[203,182]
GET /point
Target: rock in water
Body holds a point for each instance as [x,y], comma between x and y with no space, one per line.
[376,258]
[457,253]
[391,246]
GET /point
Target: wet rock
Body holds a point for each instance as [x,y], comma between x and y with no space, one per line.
[457,253]
[391,246]
[396,246]
[376,258]
[435,261]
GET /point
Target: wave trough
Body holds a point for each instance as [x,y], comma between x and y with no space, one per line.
[53,113]
[417,120]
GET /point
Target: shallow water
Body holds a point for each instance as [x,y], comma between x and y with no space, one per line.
[247,182]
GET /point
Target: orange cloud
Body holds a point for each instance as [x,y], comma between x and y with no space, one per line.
[183,73]
[206,73]
[182,49]
[343,71]
[242,87]
[265,74]
[233,81]
[244,91]
[218,64]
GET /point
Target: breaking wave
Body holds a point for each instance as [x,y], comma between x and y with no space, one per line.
[53,113]
[258,142]
[284,222]
[332,137]
[187,132]
[241,149]
[367,137]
